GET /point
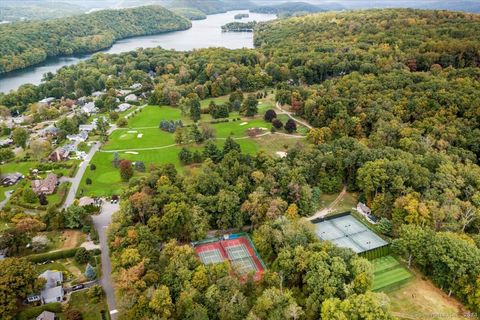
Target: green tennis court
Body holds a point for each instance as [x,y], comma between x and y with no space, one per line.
[388,274]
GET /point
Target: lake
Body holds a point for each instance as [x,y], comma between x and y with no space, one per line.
[203,34]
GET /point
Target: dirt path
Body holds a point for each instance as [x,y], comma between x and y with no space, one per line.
[71,238]
[328,209]
[289,114]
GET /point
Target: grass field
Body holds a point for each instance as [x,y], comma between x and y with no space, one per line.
[388,274]
[90,311]
[420,299]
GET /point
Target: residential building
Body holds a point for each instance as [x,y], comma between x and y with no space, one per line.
[46,315]
[10,179]
[131,98]
[59,154]
[47,101]
[86,201]
[6,142]
[363,209]
[18,120]
[45,186]
[97,94]
[81,136]
[89,108]
[53,290]
[86,127]
[136,86]
[123,107]
[122,93]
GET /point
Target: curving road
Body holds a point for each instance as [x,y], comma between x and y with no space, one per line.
[78,176]
[101,223]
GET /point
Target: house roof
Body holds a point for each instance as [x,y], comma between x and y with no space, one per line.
[46,315]
[52,277]
[49,294]
[85,201]
[46,185]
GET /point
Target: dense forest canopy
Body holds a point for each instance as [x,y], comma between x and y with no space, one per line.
[28,43]
[210,6]
[333,44]
[288,8]
[190,13]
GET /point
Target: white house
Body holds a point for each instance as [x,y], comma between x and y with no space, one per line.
[81,136]
[123,107]
[136,86]
[18,120]
[47,101]
[97,94]
[131,98]
[121,93]
[89,108]
[86,127]
[363,209]
[53,290]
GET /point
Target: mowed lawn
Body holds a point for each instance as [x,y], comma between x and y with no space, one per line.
[150,116]
[388,273]
[138,138]
[421,299]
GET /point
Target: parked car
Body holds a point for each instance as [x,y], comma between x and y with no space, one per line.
[78,287]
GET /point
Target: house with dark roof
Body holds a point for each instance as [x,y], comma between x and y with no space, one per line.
[59,154]
[45,186]
[10,179]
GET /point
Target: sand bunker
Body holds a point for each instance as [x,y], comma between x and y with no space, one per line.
[131,152]
[243,123]
[140,135]
[132,131]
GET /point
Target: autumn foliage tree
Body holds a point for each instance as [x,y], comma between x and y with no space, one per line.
[126,169]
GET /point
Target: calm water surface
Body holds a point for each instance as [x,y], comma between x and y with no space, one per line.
[203,34]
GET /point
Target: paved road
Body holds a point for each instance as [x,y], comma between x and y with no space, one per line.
[7,197]
[78,177]
[101,223]
[289,114]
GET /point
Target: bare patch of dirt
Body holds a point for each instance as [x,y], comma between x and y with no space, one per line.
[72,238]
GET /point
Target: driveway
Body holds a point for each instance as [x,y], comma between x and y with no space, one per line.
[101,223]
[7,197]
[78,177]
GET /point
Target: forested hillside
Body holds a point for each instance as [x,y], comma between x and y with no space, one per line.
[332,44]
[210,6]
[28,43]
[288,8]
[190,13]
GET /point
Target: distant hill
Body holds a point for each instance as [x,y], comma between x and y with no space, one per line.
[28,43]
[190,13]
[288,8]
[210,6]
[37,10]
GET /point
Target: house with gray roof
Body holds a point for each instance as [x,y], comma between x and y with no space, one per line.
[46,315]
[53,290]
